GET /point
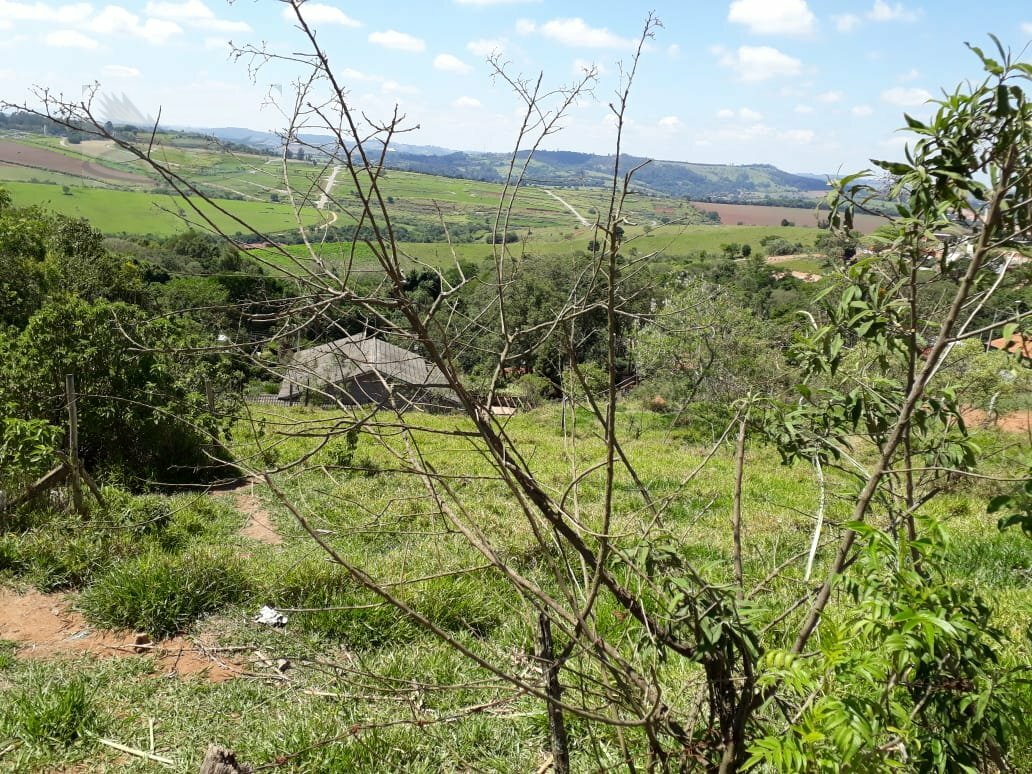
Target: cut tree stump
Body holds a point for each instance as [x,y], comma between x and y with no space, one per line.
[219,760]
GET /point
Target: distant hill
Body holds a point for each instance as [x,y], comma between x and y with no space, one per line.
[719,182]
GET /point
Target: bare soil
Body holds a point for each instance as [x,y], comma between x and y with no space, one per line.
[258,525]
[1014,422]
[41,158]
[761,215]
[45,626]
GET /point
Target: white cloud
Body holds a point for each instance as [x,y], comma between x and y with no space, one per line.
[350,74]
[799,136]
[670,122]
[196,14]
[742,114]
[450,64]
[41,12]
[1027,28]
[803,109]
[484,47]
[525,26]
[214,44]
[742,133]
[398,41]
[830,97]
[673,51]
[773,17]
[861,111]
[5,24]
[393,87]
[466,103]
[121,71]
[883,12]
[115,20]
[70,39]
[321,13]
[902,97]
[760,63]
[575,32]
[846,22]
[910,75]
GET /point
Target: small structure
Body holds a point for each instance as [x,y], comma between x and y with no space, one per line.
[360,370]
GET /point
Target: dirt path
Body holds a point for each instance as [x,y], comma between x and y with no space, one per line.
[325,198]
[45,626]
[567,205]
[258,524]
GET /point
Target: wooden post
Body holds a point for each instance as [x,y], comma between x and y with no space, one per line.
[556,723]
[73,444]
[219,760]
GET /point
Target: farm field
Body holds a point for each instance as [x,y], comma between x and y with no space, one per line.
[553,218]
[117,211]
[758,215]
[43,158]
[667,246]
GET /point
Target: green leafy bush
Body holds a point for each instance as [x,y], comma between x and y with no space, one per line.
[26,451]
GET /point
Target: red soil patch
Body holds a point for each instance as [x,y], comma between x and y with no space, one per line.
[761,215]
[44,626]
[258,525]
[1015,422]
[41,158]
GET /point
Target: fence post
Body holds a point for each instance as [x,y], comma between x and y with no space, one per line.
[73,444]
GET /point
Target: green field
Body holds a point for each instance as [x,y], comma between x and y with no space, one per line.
[262,189]
[115,211]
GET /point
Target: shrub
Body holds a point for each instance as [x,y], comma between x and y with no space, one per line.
[162,594]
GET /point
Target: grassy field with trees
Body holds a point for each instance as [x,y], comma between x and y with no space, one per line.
[663,506]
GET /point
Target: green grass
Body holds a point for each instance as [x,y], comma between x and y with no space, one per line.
[51,714]
[114,211]
[365,683]
[163,594]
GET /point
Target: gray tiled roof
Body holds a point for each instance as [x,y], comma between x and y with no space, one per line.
[339,361]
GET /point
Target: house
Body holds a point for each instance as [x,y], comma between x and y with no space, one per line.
[1018,343]
[365,369]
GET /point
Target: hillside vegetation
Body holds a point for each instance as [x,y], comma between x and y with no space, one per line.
[559,479]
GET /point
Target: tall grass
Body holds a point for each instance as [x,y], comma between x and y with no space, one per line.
[162,594]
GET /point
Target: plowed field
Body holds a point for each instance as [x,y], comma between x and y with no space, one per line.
[41,158]
[760,215]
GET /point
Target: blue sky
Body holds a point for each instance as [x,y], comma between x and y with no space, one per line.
[808,85]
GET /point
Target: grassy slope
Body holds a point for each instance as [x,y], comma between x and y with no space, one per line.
[114,211]
[383,521]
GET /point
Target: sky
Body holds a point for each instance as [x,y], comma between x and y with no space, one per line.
[807,85]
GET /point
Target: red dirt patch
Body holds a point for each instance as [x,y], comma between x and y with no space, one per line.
[761,215]
[258,525]
[44,626]
[1015,422]
[41,158]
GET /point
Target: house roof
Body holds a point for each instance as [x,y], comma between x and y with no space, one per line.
[1019,343]
[346,358]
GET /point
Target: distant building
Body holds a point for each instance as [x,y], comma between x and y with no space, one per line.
[361,370]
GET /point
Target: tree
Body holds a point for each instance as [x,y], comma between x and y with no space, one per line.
[142,414]
[671,660]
